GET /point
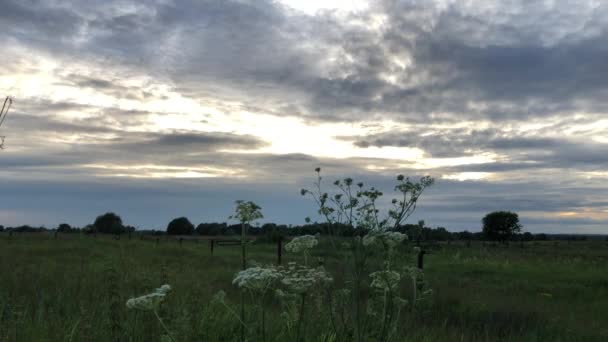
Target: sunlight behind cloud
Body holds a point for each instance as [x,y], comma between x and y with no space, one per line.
[293,135]
[311,7]
[464,176]
[162,171]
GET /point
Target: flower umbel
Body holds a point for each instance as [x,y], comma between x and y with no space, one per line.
[151,301]
[389,239]
[256,278]
[301,243]
[385,280]
[301,279]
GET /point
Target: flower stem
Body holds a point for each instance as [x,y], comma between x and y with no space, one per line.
[233,313]
[263,317]
[301,317]
[164,326]
[243,316]
[331,314]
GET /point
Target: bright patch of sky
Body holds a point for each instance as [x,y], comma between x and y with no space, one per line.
[502,98]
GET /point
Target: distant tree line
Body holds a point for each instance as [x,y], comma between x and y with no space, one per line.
[111,223]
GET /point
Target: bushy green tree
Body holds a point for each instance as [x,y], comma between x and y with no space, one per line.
[501,225]
[528,236]
[211,228]
[109,223]
[64,228]
[180,226]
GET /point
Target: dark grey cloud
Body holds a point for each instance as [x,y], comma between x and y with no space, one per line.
[419,63]
[459,62]
[523,151]
[180,142]
[37,21]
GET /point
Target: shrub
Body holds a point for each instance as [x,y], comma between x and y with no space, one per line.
[109,223]
[180,226]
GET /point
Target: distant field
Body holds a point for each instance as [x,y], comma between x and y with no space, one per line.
[74,288]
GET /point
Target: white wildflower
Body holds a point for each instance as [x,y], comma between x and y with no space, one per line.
[392,239]
[385,280]
[256,278]
[164,288]
[219,297]
[151,301]
[388,238]
[300,279]
[301,243]
[369,239]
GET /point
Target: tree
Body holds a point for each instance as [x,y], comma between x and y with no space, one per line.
[501,225]
[64,228]
[528,236]
[211,228]
[180,226]
[109,223]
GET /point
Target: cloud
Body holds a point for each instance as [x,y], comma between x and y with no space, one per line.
[120,101]
[408,60]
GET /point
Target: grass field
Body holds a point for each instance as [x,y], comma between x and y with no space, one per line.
[75,288]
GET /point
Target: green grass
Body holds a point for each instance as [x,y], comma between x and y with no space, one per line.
[74,288]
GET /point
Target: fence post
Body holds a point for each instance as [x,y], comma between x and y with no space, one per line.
[211,242]
[157,239]
[421,259]
[279,250]
[181,240]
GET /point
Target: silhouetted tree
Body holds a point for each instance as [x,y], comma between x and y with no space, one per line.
[64,228]
[89,229]
[180,226]
[501,225]
[527,236]
[211,228]
[109,223]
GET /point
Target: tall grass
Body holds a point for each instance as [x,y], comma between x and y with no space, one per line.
[58,290]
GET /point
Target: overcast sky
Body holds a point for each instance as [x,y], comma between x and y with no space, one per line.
[158,109]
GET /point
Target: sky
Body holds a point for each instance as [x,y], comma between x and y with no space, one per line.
[163,108]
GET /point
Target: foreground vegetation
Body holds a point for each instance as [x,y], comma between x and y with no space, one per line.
[75,288]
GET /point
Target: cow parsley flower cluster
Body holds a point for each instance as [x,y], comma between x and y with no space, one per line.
[387,238]
[294,278]
[151,301]
[385,280]
[301,279]
[256,278]
[301,243]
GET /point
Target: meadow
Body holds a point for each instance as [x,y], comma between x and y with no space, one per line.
[74,288]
